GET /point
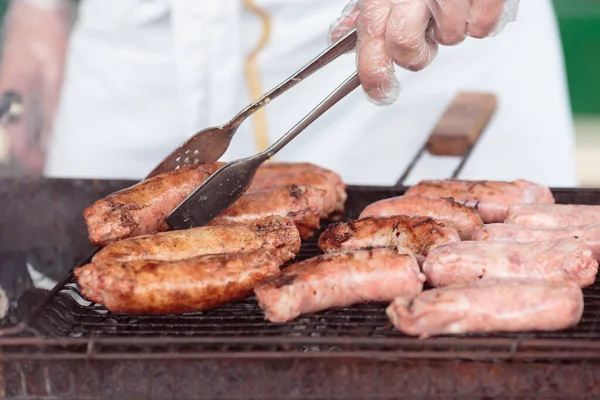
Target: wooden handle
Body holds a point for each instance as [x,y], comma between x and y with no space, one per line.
[461,124]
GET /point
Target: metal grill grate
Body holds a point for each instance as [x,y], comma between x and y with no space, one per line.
[67,314]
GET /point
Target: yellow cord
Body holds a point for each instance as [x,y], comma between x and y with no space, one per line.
[259,120]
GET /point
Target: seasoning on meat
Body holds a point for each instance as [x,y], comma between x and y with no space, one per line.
[271,233]
[464,262]
[335,189]
[161,287]
[419,234]
[144,207]
[490,199]
[339,280]
[489,307]
[552,215]
[464,219]
[304,205]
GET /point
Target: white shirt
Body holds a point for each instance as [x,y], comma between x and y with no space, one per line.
[143,75]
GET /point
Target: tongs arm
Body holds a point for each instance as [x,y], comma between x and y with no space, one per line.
[342,46]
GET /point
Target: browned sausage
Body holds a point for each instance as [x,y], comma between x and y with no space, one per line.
[464,219]
[335,189]
[339,280]
[270,233]
[489,306]
[304,205]
[491,199]
[563,259]
[419,234]
[144,207]
[163,287]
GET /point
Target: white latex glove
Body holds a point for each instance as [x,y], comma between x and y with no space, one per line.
[407,33]
[35,43]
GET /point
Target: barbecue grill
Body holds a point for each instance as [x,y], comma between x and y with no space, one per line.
[69,348]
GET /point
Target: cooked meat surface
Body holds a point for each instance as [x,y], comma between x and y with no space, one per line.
[464,219]
[419,234]
[335,189]
[490,199]
[465,262]
[552,215]
[517,233]
[275,169]
[339,280]
[162,287]
[489,306]
[144,207]
[304,205]
[271,233]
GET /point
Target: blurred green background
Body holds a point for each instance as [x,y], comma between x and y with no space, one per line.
[580,30]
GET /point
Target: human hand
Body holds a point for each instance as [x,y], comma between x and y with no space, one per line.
[33,54]
[407,33]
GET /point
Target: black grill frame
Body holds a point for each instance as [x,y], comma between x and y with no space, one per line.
[57,334]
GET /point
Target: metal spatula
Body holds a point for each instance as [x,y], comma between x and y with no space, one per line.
[228,184]
[210,144]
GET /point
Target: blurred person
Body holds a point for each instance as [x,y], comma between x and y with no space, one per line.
[133,79]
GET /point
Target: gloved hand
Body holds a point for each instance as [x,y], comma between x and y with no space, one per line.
[407,33]
[33,54]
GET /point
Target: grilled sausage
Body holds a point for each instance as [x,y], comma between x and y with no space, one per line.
[144,207]
[552,215]
[516,233]
[458,263]
[464,219]
[335,189]
[275,169]
[270,233]
[419,234]
[304,205]
[490,199]
[163,287]
[489,306]
[339,280]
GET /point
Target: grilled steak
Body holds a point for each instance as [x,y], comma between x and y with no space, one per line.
[169,287]
[458,263]
[516,233]
[339,280]
[490,199]
[335,189]
[271,233]
[144,207]
[489,306]
[552,215]
[419,234]
[304,205]
[464,219]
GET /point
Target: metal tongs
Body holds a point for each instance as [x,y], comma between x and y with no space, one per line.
[228,183]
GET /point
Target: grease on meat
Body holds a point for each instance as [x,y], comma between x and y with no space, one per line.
[464,219]
[171,287]
[143,208]
[419,234]
[271,233]
[304,205]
